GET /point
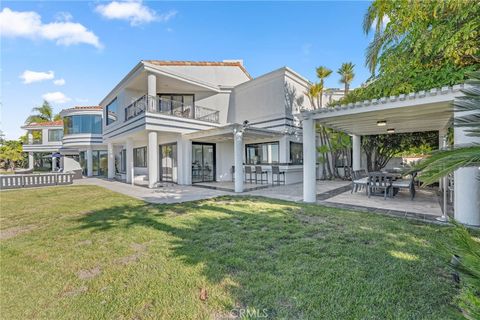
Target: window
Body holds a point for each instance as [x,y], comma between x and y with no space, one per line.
[123,161]
[55,134]
[85,123]
[111,111]
[296,153]
[262,153]
[140,157]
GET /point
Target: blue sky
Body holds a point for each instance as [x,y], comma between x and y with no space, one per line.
[92,45]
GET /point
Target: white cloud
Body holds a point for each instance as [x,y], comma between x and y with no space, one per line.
[133,11]
[56,97]
[28,24]
[59,82]
[29,76]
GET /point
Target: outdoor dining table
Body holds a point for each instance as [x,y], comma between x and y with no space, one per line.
[392,176]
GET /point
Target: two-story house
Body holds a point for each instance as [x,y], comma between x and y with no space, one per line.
[191,122]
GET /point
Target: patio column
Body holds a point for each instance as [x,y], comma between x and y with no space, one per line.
[30,160]
[151,90]
[89,162]
[152,159]
[466,184]
[129,159]
[53,164]
[356,148]
[111,161]
[238,158]
[309,161]
[184,161]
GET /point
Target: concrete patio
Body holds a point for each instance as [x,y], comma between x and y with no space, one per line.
[329,193]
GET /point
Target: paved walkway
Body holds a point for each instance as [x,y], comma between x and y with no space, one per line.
[329,193]
[170,193]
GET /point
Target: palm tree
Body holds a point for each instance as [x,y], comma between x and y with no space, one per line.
[375,17]
[44,113]
[442,162]
[347,74]
[314,93]
[322,74]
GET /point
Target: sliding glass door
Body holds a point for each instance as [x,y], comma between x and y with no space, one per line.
[168,162]
[203,162]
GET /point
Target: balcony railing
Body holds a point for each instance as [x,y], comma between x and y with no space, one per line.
[170,107]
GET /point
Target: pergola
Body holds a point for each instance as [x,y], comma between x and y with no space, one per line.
[416,112]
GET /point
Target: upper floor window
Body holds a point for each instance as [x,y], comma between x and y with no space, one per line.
[111,112]
[262,153]
[296,153]
[85,123]
[55,135]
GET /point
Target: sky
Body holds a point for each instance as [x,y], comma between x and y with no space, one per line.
[74,53]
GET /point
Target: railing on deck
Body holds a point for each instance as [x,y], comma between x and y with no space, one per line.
[170,107]
[14,181]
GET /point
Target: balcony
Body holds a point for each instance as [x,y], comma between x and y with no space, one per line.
[171,108]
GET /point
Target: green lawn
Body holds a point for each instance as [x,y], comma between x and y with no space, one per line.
[82,252]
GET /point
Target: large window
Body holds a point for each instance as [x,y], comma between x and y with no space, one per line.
[112,112]
[140,157]
[296,153]
[262,153]
[55,135]
[85,123]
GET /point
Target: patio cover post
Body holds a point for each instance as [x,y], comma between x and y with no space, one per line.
[152,159]
[129,159]
[309,161]
[356,148]
[30,160]
[238,158]
[111,161]
[466,184]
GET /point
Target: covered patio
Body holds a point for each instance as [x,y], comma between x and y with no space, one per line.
[416,112]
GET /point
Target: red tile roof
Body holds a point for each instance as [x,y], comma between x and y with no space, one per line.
[85,108]
[57,123]
[200,64]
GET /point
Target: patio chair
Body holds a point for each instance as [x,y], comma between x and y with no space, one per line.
[378,182]
[261,172]
[405,184]
[347,173]
[278,174]
[248,170]
[359,181]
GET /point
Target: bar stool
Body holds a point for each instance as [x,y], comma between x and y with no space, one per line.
[259,171]
[276,172]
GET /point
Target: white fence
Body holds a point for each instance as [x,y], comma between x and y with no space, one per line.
[14,181]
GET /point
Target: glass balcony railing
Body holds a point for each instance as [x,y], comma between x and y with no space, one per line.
[159,105]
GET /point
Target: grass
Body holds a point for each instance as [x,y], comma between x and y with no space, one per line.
[82,252]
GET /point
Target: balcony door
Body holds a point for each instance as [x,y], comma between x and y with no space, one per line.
[168,163]
[203,162]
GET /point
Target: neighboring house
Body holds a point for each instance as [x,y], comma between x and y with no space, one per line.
[83,140]
[44,141]
[176,121]
[73,143]
[330,95]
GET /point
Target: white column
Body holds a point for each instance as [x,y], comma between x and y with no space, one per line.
[30,160]
[153,164]
[151,90]
[356,148]
[53,164]
[309,161]
[184,161]
[466,184]
[89,162]
[238,158]
[30,137]
[129,159]
[111,161]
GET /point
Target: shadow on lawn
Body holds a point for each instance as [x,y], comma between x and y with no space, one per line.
[297,264]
